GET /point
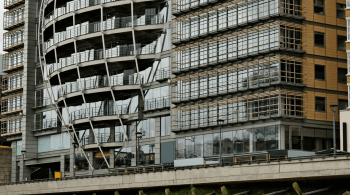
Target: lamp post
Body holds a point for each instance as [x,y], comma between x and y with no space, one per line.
[23,154]
[138,137]
[334,107]
[221,122]
[74,146]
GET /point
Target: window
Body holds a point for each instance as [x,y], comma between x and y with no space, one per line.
[319,6]
[340,10]
[319,39]
[341,43]
[342,75]
[343,104]
[320,104]
[320,72]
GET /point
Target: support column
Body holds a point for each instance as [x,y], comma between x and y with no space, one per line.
[112,133]
[111,158]
[14,164]
[91,159]
[24,171]
[133,143]
[282,138]
[251,141]
[71,160]
[157,141]
[62,163]
[91,136]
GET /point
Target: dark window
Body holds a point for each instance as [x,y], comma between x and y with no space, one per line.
[320,104]
[320,72]
[343,104]
[341,42]
[340,10]
[345,145]
[342,75]
[319,6]
[319,39]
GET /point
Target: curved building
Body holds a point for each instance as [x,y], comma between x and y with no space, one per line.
[87,78]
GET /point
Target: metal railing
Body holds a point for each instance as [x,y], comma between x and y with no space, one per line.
[40,102]
[9,2]
[14,38]
[11,18]
[95,83]
[157,103]
[102,138]
[163,73]
[98,54]
[99,111]
[109,24]
[45,124]
[12,60]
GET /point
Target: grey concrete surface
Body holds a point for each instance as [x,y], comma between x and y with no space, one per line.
[286,170]
[5,164]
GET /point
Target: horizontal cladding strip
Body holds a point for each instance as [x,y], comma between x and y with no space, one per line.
[110,60]
[94,7]
[106,32]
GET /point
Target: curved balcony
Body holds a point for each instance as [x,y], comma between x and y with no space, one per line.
[82,6]
[89,60]
[98,88]
[111,26]
[102,138]
[100,116]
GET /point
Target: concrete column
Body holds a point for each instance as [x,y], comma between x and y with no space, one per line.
[62,165]
[318,144]
[28,140]
[91,136]
[282,138]
[91,158]
[112,133]
[133,143]
[14,170]
[111,158]
[24,172]
[157,141]
[251,141]
[71,161]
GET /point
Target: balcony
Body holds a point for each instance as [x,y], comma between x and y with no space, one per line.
[157,103]
[13,19]
[163,74]
[41,102]
[45,124]
[102,138]
[11,126]
[99,111]
[13,60]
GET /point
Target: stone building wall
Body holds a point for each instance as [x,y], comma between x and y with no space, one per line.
[5,164]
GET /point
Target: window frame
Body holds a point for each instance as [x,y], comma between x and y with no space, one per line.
[325,104]
[319,6]
[341,48]
[346,71]
[324,40]
[341,9]
[324,72]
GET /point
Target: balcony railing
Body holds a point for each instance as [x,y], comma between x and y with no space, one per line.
[40,102]
[14,17]
[163,73]
[157,103]
[45,124]
[10,3]
[94,83]
[102,138]
[13,38]
[98,54]
[12,60]
[99,111]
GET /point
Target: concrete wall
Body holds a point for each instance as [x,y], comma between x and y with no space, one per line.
[275,171]
[5,164]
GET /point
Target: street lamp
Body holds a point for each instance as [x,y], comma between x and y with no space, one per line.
[23,154]
[74,146]
[138,137]
[334,107]
[221,122]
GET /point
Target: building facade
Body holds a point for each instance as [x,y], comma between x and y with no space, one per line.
[87,78]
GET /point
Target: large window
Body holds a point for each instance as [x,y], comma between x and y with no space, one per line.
[53,142]
[320,72]
[320,104]
[319,7]
[123,157]
[232,142]
[147,154]
[343,104]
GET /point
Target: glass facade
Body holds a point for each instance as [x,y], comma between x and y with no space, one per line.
[232,142]
[53,142]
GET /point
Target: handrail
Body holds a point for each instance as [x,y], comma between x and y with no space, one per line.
[156,103]
[102,138]
[99,111]
[46,124]
[94,83]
